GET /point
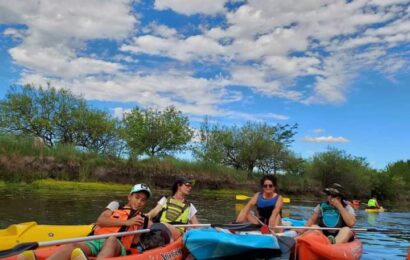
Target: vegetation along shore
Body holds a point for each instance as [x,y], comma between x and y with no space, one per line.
[48,133]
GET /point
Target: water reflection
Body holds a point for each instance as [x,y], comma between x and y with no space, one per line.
[84,207]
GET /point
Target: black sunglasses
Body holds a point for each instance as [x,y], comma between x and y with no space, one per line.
[268,185]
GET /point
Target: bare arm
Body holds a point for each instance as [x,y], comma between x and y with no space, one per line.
[348,218]
[245,211]
[194,220]
[154,212]
[275,211]
[312,220]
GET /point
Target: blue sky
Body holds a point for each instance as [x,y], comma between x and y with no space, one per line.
[340,69]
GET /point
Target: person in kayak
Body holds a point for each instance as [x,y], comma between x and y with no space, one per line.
[268,204]
[335,212]
[373,203]
[113,219]
[176,209]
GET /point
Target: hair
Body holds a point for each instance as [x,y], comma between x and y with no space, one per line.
[271,178]
[175,186]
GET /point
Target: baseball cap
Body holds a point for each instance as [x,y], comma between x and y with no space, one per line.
[141,187]
[335,189]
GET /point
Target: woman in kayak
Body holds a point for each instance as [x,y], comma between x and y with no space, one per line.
[268,204]
[176,209]
[335,212]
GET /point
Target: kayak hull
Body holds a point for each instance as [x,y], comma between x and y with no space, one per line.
[219,244]
[314,245]
[33,232]
[172,251]
[381,209]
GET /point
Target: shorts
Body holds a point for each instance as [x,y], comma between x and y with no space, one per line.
[95,246]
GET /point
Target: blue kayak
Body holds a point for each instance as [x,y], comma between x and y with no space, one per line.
[295,222]
[214,244]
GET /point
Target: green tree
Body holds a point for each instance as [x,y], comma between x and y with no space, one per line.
[155,133]
[246,148]
[58,117]
[96,131]
[335,165]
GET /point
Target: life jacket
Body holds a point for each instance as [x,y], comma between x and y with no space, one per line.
[372,203]
[175,212]
[330,216]
[122,213]
[265,207]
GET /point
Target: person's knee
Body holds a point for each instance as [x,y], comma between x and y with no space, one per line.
[111,241]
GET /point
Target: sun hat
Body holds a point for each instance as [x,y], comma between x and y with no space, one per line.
[141,187]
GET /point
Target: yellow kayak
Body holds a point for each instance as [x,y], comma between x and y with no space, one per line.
[381,209]
[33,232]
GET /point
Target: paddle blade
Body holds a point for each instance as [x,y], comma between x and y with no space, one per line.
[242,197]
[18,249]
[238,226]
[286,200]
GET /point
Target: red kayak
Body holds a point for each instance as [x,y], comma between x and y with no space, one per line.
[173,250]
[314,245]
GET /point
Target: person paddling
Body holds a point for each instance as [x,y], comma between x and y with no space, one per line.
[373,203]
[176,209]
[267,202]
[335,212]
[115,218]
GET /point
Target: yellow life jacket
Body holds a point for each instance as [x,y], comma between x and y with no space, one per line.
[175,211]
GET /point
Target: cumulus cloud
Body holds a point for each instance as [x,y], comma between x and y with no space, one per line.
[192,6]
[267,46]
[325,139]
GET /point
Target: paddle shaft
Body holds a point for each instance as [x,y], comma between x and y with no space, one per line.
[353,229]
[88,238]
[33,245]
[245,197]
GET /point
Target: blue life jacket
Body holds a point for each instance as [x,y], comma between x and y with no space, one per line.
[265,207]
[330,216]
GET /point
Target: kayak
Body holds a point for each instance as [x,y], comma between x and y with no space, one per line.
[220,243]
[314,245]
[293,222]
[375,210]
[33,232]
[172,251]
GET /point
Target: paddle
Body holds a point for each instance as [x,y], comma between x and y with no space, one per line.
[33,245]
[244,197]
[235,226]
[353,229]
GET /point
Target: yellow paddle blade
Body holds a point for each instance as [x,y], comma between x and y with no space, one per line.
[244,197]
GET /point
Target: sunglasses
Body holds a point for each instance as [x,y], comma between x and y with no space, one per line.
[268,185]
[188,184]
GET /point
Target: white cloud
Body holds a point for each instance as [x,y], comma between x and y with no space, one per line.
[318,130]
[325,139]
[268,46]
[192,6]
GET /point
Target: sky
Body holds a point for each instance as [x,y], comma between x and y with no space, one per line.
[339,69]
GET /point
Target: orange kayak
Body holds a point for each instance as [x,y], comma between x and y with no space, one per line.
[172,251]
[314,245]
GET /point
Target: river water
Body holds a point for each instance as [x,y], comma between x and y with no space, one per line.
[84,207]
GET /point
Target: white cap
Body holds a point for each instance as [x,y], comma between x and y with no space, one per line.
[141,187]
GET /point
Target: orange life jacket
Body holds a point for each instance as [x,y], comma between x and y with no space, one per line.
[123,213]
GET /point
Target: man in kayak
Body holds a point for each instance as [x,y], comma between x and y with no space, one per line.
[335,212]
[176,209]
[113,219]
[267,202]
[372,203]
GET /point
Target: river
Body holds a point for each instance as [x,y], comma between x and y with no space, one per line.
[83,207]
